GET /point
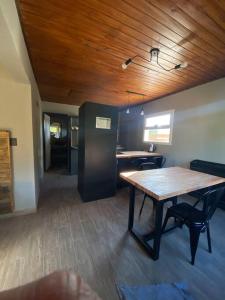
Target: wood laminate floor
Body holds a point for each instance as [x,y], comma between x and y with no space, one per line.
[92,240]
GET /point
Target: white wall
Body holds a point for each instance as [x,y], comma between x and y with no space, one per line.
[14,99]
[17,76]
[9,59]
[71,110]
[13,24]
[199,123]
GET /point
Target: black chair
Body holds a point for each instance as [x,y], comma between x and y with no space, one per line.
[138,161]
[147,166]
[155,162]
[159,161]
[195,219]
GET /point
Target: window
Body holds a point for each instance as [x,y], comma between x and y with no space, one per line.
[158,128]
[55,129]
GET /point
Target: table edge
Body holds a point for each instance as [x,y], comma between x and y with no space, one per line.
[170,195]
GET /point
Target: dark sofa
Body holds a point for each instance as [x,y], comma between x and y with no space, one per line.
[209,168]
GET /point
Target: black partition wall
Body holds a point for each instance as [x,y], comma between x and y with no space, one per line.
[97,151]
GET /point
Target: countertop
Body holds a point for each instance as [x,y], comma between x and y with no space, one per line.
[131,154]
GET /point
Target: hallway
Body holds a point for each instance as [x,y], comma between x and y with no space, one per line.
[58,189]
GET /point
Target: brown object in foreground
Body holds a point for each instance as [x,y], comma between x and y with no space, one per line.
[6,198]
[56,286]
[165,183]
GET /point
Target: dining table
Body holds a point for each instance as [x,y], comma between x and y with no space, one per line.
[162,185]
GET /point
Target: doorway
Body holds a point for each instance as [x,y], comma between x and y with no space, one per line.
[60,141]
[57,142]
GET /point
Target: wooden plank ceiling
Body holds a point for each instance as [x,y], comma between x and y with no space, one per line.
[77,47]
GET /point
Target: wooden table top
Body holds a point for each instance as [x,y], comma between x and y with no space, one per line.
[165,183]
[131,154]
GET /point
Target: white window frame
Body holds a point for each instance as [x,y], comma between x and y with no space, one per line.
[171,112]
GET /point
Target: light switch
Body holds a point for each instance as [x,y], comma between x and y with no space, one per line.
[13,141]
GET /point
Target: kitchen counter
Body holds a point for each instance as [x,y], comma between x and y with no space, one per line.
[133,154]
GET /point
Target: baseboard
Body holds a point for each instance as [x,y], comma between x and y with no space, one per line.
[19,213]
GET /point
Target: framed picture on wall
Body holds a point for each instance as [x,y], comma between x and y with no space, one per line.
[103,123]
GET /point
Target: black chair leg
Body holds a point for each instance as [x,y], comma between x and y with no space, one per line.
[209,239]
[194,239]
[174,201]
[142,205]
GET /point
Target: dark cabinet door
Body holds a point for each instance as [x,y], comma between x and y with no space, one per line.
[97,152]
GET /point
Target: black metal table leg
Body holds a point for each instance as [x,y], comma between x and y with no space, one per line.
[154,235]
[158,228]
[131,207]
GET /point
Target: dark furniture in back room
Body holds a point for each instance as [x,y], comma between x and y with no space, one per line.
[73,133]
[97,151]
[59,140]
[212,169]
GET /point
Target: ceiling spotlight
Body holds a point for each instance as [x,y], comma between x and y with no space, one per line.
[141,112]
[126,63]
[184,65]
[128,111]
[154,54]
[154,57]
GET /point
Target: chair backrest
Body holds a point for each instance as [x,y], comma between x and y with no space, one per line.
[159,160]
[148,166]
[210,201]
[144,163]
[138,161]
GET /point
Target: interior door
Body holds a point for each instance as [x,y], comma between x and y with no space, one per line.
[47,142]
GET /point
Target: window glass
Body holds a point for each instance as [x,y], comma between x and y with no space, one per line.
[158,121]
[158,128]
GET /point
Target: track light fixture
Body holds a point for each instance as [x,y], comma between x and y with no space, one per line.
[154,57]
[128,107]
